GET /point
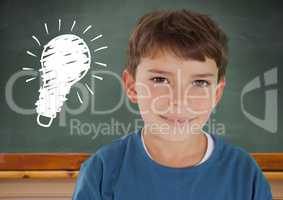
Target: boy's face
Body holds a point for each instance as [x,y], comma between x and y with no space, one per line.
[175,96]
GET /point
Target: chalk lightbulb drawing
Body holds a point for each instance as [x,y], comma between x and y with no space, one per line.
[65,60]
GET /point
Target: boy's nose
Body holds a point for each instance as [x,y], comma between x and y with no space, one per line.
[178,98]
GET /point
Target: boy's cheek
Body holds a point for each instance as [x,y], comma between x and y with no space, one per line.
[201,106]
[159,91]
[200,121]
[144,104]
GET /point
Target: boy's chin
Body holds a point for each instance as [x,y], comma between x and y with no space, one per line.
[177,136]
[173,132]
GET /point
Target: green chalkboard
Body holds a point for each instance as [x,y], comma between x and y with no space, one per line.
[248,114]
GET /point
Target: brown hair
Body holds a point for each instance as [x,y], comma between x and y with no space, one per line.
[187,34]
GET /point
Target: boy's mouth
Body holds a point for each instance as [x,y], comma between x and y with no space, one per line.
[179,120]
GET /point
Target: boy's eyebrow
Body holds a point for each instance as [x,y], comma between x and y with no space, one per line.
[193,76]
[159,71]
[203,75]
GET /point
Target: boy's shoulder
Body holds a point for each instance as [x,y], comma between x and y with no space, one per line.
[231,153]
[239,164]
[117,145]
[113,152]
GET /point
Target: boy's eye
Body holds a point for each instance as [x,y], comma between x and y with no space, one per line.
[160,79]
[201,83]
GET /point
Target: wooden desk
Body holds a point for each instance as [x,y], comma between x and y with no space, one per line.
[54,174]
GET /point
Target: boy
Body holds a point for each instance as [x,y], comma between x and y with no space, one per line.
[176,75]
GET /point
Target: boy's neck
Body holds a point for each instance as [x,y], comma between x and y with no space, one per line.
[183,153]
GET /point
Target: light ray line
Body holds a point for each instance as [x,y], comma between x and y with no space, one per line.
[98,77]
[89,27]
[46,28]
[73,25]
[30,79]
[97,37]
[91,92]
[102,64]
[101,48]
[31,54]
[27,68]
[79,97]
[35,38]
[59,25]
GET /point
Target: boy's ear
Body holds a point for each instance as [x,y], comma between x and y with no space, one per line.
[219,90]
[129,86]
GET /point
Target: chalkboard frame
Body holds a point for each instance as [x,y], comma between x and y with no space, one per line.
[67,165]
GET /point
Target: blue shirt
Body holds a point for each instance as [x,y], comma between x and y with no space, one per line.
[122,170]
